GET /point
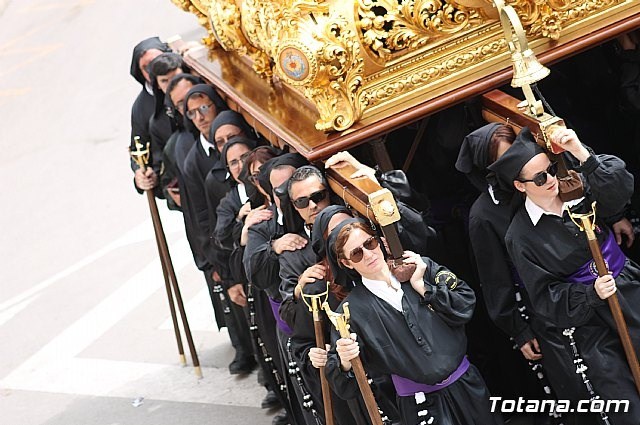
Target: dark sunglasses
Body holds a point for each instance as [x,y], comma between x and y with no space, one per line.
[303,201]
[203,109]
[539,179]
[356,254]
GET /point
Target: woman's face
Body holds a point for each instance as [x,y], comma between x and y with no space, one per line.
[536,165]
[224,133]
[372,260]
[235,159]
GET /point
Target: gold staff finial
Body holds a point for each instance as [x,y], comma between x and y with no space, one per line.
[585,222]
[141,154]
[340,321]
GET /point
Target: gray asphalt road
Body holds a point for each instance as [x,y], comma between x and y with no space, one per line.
[84,321]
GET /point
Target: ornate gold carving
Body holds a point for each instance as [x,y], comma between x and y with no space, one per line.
[388,27]
[339,80]
[199,8]
[376,94]
[348,57]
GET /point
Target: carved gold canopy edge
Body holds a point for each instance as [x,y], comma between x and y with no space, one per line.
[350,73]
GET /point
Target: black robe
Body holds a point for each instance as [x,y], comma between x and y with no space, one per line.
[300,320]
[426,342]
[488,223]
[546,254]
[261,263]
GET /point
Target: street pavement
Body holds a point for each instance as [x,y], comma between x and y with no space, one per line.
[85,331]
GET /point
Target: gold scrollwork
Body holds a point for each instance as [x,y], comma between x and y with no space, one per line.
[381,93]
[387,27]
[338,83]
[199,8]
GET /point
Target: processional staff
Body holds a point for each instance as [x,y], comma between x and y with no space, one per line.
[586,223]
[315,306]
[341,323]
[141,157]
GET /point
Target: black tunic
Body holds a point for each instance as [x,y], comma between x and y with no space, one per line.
[261,263]
[425,342]
[488,223]
[548,253]
[299,318]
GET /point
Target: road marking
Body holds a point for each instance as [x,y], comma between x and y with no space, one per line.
[141,233]
[57,368]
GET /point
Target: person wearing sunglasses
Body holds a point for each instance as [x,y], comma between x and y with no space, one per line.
[551,255]
[507,302]
[412,331]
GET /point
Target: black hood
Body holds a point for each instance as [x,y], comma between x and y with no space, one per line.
[248,142]
[320,225]
[341,275]
[212,94]
[138,52]
[229,117]
[473,158]
[293,159]
[506,169]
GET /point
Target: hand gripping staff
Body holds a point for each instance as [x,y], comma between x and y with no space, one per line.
[341,323]
[586,223]
[141,157]
[315,305]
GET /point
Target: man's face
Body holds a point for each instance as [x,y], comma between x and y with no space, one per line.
[178,94]
[304,189]
[145,59]
[163,80]
[278,177]
[202,120]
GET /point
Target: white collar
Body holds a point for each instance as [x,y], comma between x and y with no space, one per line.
[206,145]
[148,88]
[493,196]
[242,192]
[380,289]
[307,231]
[280,217]
[536,212]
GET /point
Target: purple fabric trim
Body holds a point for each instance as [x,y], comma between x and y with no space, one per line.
[406,387]
[613,256]
[275,308]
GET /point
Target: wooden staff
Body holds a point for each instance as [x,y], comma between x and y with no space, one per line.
[141,157]
[341,323]
[315,306]
[587,225]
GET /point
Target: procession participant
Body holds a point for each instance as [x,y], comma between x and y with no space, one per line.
[327,220]
[218,182]
[180,142]
[201,105]
[309,194]
[266,241]
[504,295]
[553,259]
[410,329]
[143,107]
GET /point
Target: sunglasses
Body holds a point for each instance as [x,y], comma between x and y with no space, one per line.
[303,201]
[356,254]
[203,109]
[539,179]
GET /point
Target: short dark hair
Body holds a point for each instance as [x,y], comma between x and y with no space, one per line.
[304,173]
[180,77]
[164,64]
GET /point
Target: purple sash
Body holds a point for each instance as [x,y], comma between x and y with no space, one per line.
[613,256]
[275,307]
[406,387]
